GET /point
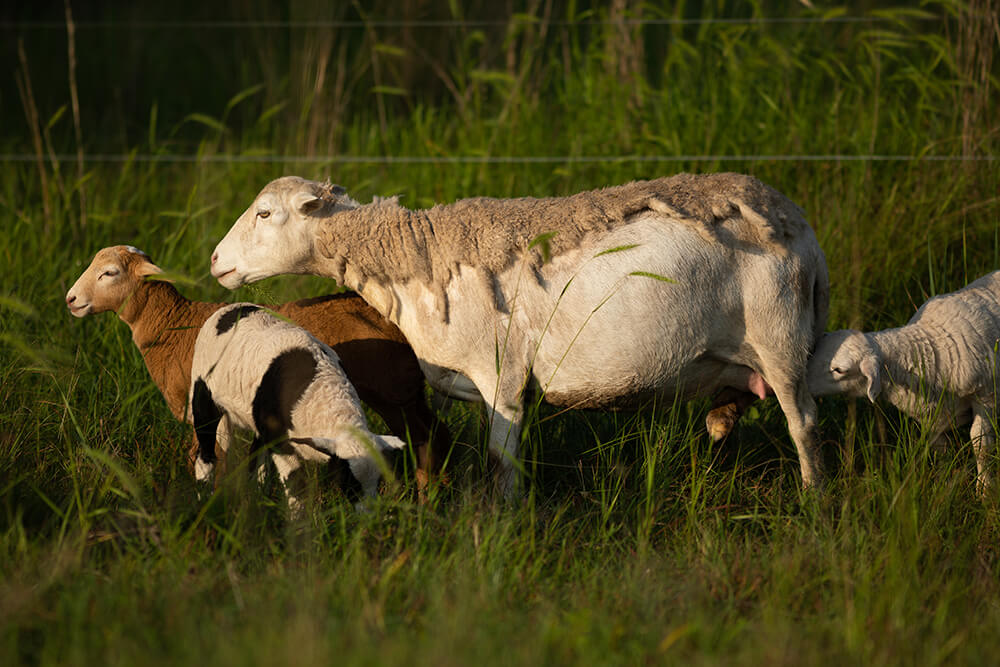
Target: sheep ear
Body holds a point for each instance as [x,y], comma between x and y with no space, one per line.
[306,202]
[869,367]
[148,269]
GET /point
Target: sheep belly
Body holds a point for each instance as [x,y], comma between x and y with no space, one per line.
[685,337]
[700,378]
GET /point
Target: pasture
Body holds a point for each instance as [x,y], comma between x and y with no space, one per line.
[638,540]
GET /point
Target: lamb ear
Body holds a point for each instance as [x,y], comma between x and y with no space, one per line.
[306,202]
[148,269]
[869,367]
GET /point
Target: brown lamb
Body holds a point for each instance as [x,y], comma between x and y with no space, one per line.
[373,352]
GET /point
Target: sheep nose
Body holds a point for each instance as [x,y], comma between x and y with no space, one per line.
[215,257]
[70,299]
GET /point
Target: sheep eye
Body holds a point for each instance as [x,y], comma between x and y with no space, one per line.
[838,372]
[109,272]
[263,214]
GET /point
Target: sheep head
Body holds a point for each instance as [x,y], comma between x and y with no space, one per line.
[112,277]
[845,362]
[275,234]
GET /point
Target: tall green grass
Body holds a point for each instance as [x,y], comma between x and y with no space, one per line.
[637,540]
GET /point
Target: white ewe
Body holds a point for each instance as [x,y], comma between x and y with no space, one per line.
[679,286]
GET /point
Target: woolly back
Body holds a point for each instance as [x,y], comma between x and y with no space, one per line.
[387,242]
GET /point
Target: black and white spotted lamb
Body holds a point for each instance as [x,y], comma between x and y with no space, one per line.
[274,378]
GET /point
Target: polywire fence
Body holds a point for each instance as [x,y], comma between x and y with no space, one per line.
[454,23]
[223,158]
[829,19]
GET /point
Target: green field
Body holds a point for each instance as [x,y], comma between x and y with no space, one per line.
[637,541]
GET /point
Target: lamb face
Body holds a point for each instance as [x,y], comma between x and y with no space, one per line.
[109,281]
[845,362]
[274,235]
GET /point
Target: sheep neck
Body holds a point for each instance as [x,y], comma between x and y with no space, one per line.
[910,360]
[164,327]
[362,238]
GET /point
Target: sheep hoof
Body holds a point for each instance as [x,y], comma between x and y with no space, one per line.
[296,508]
[721,421]
[984,486]
[812,481]
[509,483]
[203,470]
[203,475]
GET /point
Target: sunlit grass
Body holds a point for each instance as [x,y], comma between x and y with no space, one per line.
[637,540]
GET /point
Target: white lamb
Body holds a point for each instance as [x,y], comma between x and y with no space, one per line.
[679,286]
[255,371]
[940,368]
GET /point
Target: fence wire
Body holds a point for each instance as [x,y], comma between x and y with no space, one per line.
[225,158]
[455,23]
[468,159]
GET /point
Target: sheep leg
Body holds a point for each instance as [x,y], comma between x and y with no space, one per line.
[429,436]
[272,425]
[505,415]
[984,446]
[222,440]
[800,411]
[433,436]
[287,456]
[287,460]
[206,416]
[501,388]
[256,467]
[272,442]
[192,454]
[505,436]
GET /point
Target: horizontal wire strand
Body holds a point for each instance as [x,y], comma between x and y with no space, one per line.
[451,23]
[479,159]
[469,159]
